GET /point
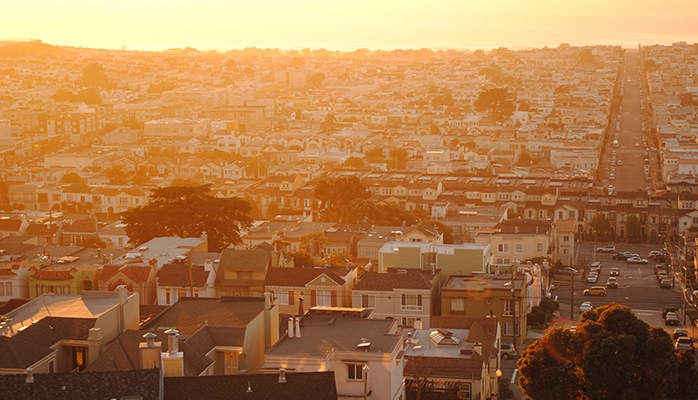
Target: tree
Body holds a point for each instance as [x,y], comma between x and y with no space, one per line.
[443,228]
[335,194]
[354,162]
[116,175]
[496,103]
[612,355]
[255,167]
[634,229]
[317,79]
[140,177]
[188,211]
[601,225]
[72,177]
[273,210]
[375,155]
[398,158]
[89,95]
[94,75]
[4,195]
[313,243]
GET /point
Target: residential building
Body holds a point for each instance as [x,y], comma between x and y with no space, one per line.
[407,295]
[364,354]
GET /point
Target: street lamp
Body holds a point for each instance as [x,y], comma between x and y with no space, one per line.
[365,369]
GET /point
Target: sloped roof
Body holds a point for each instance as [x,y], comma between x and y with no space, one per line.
[53,275]
[49,330]
[182,274]
[123,354]
[298,386]
[207,337]
[189,314]
[19,354]
[300,277]
[84,385]
[137,273]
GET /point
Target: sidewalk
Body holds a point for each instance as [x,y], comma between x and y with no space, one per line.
[533,335]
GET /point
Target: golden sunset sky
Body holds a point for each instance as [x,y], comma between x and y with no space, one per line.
[347,25]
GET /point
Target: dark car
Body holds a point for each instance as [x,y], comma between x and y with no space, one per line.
[671,319]
[620,256]
[678,332]
[668,310]
[659,258]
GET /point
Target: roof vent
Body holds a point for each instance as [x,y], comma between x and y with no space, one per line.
[282,375]
[364,345]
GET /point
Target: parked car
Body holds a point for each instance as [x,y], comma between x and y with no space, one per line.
[665,283]
[671,319]
[637,260]
[593,277]
[684,343]
[659,267]
[667,310]
[620,256]
[615,271]
[585,306]
[612,282]
[507,350]
[661,277]
[659,257]
[678,332]
[595,291]
[606,249]
[595,266]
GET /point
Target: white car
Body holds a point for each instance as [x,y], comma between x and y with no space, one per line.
[586,306]
[637,260]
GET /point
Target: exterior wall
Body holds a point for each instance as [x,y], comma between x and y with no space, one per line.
[389,305]
[527,243]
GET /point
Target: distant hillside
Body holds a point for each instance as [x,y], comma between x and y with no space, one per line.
[33,48]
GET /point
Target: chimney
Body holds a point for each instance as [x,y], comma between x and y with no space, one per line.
[123,293]
[173,360]
[30,375]
[300,306]
[417,324]
[208,265]
[477,347]
[298,327]
[150,352]
[275,258]
[267,300]
[290,327]
[282,375]
[94,344]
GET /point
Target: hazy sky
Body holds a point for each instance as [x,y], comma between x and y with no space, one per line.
[347,25]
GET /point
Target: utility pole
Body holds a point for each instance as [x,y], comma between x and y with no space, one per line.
[572,277]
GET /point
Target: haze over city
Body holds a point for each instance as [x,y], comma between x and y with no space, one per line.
[387,200]
[345,26]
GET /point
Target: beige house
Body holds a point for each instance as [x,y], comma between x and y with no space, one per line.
[327,287]
[564,247]
[364,354]
[62,333]
[518,240]
[406,295]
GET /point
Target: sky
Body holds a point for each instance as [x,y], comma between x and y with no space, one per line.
[348,25]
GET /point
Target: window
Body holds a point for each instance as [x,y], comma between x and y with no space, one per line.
[506,327]
[368,300]
[507,312]
[457,304]
[539,247]
[465,391]
[355,372]
[519,248]
[503,248]
[566,238]
[281,298]
[412,302]
[323,298]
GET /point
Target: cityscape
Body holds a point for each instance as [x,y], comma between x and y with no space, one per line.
[347,218]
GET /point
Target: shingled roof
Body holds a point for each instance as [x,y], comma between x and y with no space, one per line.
[300,277]
[188,314]
[83,385]
[123,354]
[182,274]
[19,354]
[298,386]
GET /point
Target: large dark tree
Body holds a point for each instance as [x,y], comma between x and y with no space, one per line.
[188,211]
[612,355]
[634,229]
[497,103]
[94,75]
[335,194]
